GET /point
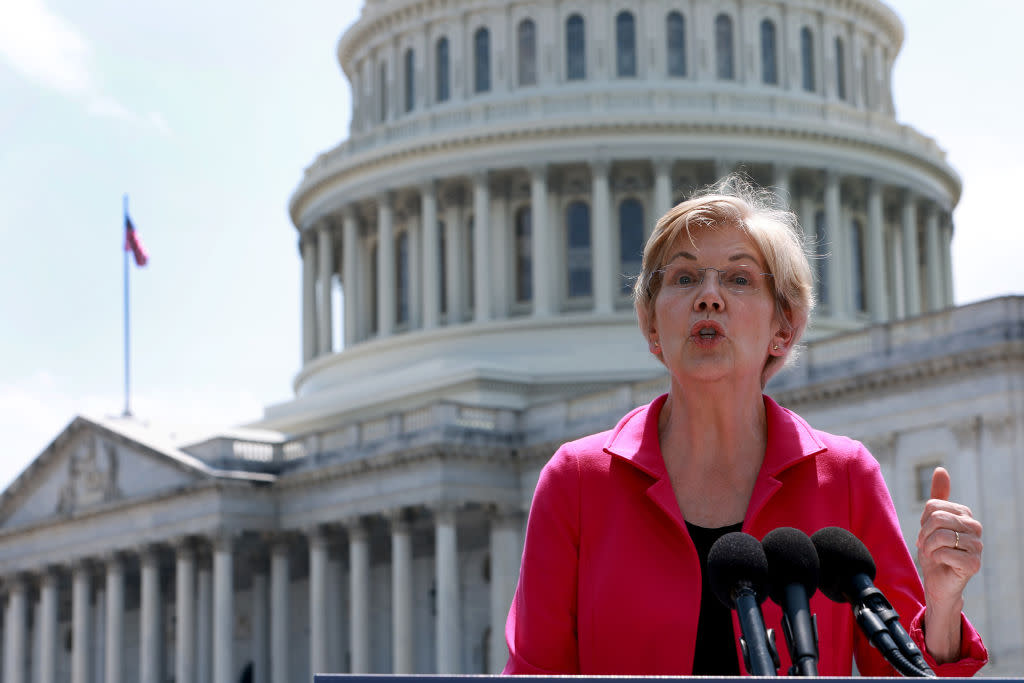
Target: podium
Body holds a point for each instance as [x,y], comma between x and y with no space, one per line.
[485,678]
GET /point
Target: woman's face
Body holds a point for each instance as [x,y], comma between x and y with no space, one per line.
[715,326]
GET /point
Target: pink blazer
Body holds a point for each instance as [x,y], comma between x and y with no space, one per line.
[610,580]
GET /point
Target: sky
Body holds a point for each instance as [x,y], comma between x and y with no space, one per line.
[206,114]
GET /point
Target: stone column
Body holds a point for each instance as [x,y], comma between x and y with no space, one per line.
[260,652]
[185,608]
[48,627]
[81,641]
[115,619]
[430,256]
[204,621]
[605,282]
[308,245]
[325,245]
[385,265]
[317,601]
[936,290]
[540,242]
[447,567]
[349,276]
[662,191]
[911,272]
[877,285]
[453,258]
[15,637]
[780,180]
[482,270]
[506,552]
[149,617]
[401,594]
[359,596]
[280,630]
[947,259]
[838,248]
[223,610]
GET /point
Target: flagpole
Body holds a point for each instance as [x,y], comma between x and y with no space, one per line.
[127,336]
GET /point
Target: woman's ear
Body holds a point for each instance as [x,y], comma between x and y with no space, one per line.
[648,329]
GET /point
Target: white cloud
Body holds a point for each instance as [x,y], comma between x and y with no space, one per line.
[51,52]
[34,409]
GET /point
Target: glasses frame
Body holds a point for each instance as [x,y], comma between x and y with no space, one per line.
[660,272]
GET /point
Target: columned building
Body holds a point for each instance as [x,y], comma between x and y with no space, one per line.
[467,254]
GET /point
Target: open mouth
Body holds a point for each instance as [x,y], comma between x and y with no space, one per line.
[707,330]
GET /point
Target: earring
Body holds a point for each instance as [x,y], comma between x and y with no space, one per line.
[776,347]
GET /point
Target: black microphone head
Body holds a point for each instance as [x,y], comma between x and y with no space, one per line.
[791,559]
[843,556]
[734,560]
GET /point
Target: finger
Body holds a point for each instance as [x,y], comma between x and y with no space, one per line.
[940,484]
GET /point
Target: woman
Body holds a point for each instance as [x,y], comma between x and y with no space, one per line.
[612,579]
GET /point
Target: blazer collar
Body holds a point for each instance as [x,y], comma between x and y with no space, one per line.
[790,439]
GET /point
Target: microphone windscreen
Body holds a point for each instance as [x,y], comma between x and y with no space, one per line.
[736,559]
[791,559]
[842,556]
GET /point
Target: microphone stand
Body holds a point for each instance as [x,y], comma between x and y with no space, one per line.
[759,654]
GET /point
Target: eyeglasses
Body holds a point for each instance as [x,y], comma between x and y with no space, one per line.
[739,279]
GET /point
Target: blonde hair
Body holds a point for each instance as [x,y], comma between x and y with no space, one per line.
[736,202]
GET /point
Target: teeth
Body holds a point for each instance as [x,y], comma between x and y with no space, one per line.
[707,332]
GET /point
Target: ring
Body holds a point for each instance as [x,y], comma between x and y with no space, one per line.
[956,543]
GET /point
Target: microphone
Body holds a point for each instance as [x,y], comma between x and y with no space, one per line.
[847,574]
[737,574]
[792,580]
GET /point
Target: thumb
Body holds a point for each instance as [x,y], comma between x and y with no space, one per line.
[940,484]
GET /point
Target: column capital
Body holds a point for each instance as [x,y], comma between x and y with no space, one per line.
[600,166]
[385,199]
[355,527]
[538,171]
[444,511]
[480,176]
[399,519]
[428,187]
[662,165]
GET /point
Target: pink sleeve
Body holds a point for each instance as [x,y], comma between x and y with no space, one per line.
[541,627]
[874,521]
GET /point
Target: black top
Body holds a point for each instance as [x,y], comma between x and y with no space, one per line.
[715,651]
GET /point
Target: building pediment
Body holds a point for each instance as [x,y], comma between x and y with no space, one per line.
[91,465]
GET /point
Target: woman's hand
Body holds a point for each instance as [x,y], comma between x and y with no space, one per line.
[949,554]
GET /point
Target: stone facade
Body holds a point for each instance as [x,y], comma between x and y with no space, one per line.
[482,220]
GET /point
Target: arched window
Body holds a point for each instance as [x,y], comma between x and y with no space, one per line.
[524,255]
[526,38]
[402,278]
[625,44]
[579,253]
[575,49]
[675,39]
[410,79]
[631,241]
[860,301]
[840,69]
[383,81]
[482,60]
[724,65]
[442,70]
[821,259]
[769,60]
[807,58]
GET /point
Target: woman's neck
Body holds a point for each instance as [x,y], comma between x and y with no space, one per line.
[713,443]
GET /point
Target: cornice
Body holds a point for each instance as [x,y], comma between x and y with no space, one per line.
[365,163]
[887,380]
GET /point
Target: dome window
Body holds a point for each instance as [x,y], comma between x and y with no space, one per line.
[625,45]
[725,67]
[442,70]
[526,39]
[675,39]
[575,49]
[482,60]
[769,52]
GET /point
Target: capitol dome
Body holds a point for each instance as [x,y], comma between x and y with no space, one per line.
[507,160]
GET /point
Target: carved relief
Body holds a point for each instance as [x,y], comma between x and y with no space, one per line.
[92,478]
